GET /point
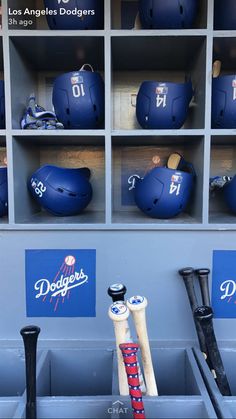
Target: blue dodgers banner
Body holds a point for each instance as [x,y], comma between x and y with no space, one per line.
[60,283]
[224,284]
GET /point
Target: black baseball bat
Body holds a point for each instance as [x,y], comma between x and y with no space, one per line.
[188,277]
[117,292]
[30,337]
[204,286]
[204,316]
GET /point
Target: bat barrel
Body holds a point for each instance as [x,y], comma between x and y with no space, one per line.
[129,353]
[204,316]
[204,285]
[117,292]
[30,337]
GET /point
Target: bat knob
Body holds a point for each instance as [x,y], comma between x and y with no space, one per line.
[185,272]
[203,313]
[118,311]
[202,271]
[137,303]
[117,292]
[30,333]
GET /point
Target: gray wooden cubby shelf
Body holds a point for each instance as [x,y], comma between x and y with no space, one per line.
[61,394]
[31,58]
[225,405]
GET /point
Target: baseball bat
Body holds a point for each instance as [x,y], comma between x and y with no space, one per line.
[188,277]
[129,352]
[204,316]
[119,313]
[30,337]
[137,305]
[204,286]
[216,68]
[117,293]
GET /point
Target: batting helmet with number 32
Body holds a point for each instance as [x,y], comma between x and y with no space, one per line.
[61,191]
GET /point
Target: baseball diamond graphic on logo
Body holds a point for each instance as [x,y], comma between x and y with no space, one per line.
[224,284]
[60,283]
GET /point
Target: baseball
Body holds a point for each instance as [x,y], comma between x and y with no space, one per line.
[69,260]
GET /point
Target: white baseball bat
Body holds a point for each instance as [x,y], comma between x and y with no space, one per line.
[137,306]
[119,313]
[216,69]
[117,293]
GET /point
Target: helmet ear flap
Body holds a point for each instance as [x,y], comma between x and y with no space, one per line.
[85,171]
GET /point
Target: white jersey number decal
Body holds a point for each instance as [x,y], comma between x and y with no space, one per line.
[78,90]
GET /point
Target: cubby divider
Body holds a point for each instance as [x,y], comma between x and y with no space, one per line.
[83,383]
[225,406]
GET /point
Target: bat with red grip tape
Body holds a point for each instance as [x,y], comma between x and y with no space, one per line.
[117,293]
[30,337]
[129,353]
[204,316]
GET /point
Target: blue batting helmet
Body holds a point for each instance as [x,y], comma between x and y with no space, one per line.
[163,193]
[224,102]
[61,191]
[225,14]
[167,14]
[229,191]
[75,14]
[3,191]
[163,105]
[2,105]
[78,99]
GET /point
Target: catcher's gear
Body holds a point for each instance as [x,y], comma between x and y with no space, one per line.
[36,117]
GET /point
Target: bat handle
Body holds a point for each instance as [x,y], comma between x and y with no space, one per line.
[203,281]
[117,292]
[129,352]
[30,337]
[204,316]
[188,278]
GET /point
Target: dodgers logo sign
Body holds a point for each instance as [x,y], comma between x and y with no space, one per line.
[224,284]
[60,283]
